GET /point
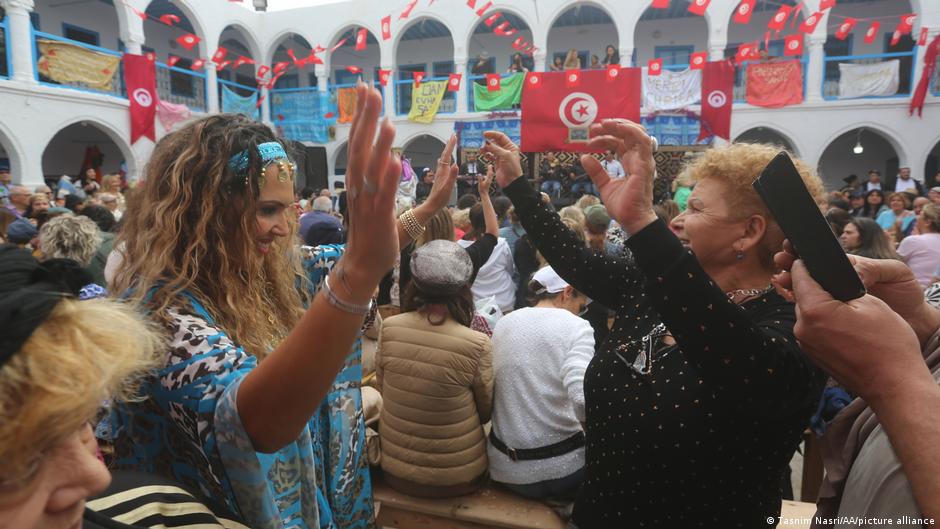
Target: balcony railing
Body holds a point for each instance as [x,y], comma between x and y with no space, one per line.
[403,93]
[831,75]
[117,77]
[5,56]
[240,90]
[182,86]
[740,79]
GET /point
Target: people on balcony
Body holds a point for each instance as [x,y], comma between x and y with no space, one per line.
[558,64]
[611,56]
[517,66]
[572,61]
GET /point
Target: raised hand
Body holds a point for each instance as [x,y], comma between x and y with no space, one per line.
[371,182]
[483,184]
[629,199]
[444,177]
[505,155]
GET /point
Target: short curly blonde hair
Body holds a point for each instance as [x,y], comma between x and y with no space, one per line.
[59,378]
[70,237]
[737,166]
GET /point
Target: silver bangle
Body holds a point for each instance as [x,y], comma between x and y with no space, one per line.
[345,306]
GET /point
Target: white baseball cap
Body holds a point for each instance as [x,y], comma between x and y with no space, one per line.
[551,282]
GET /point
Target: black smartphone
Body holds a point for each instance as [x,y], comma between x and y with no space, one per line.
[782,189]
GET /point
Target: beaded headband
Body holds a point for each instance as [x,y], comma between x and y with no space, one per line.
[269,153]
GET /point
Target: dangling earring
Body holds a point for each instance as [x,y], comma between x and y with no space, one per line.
[739,256]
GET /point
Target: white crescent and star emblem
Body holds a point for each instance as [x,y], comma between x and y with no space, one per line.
[744,9]
[654,66]
[613,72]
[697,60]
[143,97]
[573,77]
[794,44]
[493,82]
[845,28]
[811,20]
[700,2]
[870,32]
[577,110]
[780,17]
[534,80]
[909,21]
[717,99]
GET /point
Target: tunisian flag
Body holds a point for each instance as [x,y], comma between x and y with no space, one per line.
[717,99]
[930,64]
[140,78]
[775,84]
[557,118]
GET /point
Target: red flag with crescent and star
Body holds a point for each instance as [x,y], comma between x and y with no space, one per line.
[717,99]
[557,116]
[140,78]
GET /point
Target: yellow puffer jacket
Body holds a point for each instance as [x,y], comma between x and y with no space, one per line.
[437,389]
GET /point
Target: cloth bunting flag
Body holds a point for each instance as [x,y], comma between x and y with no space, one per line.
[219,56]
[922,40]
[453,82]
[484,8]
[613,71]
[572,78]
[533,80]
[748,52]
[490,20]
[384,76]
[845,28]
[492,82]
[779,20]
[717,99]
[930,64]
[299,63]
[418,77]
[906,25]
[793,45]
[698,7]
[654,67]
[242,60]
[281,67]
[169,20]
[742,15]
[660,4]
[188,41]
[895,38]
[503,95]
[172,60]
[698,59]
[354,70]
[263,70]
[809,25]
[313,58]
[361,39]
[872,32]
[198,64]
[775,84]
[408,9]
[139,13]
[222,65]
[387,27]
[140,78]
[151,56]
[826,4]
[170,114]
[505,29]
[338,45]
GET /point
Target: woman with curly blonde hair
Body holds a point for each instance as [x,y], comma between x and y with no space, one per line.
[208,251]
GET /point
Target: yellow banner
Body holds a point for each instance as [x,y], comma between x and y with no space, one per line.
[346,100]
[68,63]
[426,100]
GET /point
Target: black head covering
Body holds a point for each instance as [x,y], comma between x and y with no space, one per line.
[29,290]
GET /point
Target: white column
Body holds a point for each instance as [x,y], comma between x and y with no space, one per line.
[815,68]
[626,57]
[460,66]
[265,96]
[716,52]
[540,60]
[322,72]
[21,42]
[390,94]
[212,88]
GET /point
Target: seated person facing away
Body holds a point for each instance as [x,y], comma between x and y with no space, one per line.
[880,451]
[59,360]
[536,446]
[320,227]
[436,379]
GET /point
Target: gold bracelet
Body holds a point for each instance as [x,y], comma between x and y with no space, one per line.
[412,227]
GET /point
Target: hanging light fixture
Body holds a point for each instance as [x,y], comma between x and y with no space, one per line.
[858,149]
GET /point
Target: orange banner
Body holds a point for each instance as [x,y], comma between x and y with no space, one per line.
[775,84]
[346,100]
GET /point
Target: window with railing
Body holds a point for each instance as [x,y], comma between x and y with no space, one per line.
[404,86]
[674,55]
[869,76]
[182,86]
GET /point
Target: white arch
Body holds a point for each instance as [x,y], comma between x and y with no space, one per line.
[709,23]
[253,43]
[935,144]
[891,136]
[14,152]
[411,139]
[116,136]
[277,40]
[199,28]
[776,129]
[475,22]
[345,27]
[404,29]
[334,157]
[564,7]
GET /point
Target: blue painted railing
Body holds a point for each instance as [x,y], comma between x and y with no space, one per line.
[403,102]
[241,90]
[830,83]
[6,69]
[117,85]
[183,87]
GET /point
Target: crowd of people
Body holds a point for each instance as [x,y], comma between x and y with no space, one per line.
[263,355]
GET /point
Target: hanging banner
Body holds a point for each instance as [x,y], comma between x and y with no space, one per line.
[876,79]
[426,100]
[670,90]
[775,84]
[140,78]
[346,100]
[302,115]
[508,95]
[236,104]
[68,63]
[471,132]
[170,114]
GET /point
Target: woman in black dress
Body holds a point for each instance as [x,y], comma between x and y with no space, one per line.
[698,398]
